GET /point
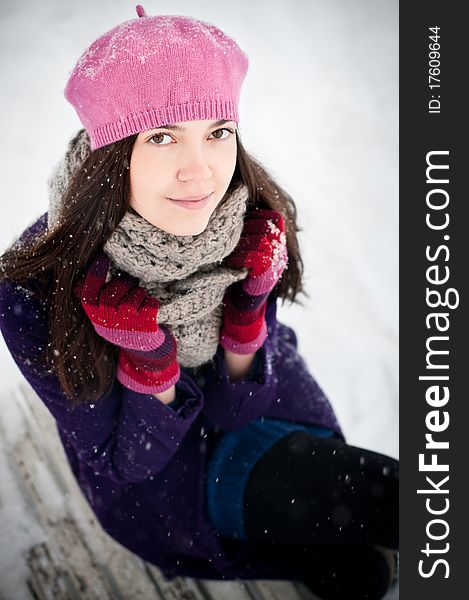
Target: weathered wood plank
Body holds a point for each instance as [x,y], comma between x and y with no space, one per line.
[179,588]
[275,590]
[229,590]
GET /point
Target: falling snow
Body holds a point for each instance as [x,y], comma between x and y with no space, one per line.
[338,371]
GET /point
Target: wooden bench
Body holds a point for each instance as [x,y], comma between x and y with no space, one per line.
[52,545]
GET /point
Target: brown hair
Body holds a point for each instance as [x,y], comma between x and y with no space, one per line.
[82,360]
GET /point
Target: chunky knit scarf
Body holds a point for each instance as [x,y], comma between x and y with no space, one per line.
[184,272]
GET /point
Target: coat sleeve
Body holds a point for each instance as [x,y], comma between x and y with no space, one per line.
[125,435]
[232,405]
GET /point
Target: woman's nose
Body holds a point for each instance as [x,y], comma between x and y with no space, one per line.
[195,168]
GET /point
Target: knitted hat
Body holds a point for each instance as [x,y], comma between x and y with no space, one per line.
[153,71]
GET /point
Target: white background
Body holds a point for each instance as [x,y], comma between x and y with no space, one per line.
[319,109]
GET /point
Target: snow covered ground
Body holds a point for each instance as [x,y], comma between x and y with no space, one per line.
[319,108]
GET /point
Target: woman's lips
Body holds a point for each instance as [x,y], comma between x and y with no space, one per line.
[192,204]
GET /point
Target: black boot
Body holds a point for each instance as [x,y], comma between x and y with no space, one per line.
[347,572]
[311,490]
[333,571]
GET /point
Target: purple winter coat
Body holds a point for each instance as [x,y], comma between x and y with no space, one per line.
[142,465]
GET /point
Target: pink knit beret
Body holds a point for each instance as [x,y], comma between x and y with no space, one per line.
[153,71]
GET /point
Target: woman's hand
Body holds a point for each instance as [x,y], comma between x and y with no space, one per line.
[153,371]
[263,250]
[126,315]
[121,311]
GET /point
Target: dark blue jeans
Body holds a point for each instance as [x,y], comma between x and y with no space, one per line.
[234,457]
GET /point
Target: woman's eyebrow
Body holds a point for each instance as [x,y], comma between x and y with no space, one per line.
[173,127]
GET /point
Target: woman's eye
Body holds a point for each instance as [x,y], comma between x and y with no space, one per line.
[228,131]
[158,135]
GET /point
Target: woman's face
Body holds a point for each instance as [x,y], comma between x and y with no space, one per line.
[177,161]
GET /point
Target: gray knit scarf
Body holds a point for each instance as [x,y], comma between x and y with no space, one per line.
[184,272]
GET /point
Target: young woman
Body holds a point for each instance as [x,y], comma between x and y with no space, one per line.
[142,310]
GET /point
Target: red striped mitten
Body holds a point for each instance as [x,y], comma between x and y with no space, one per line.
[126,315]
[263,250]
[152,371]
